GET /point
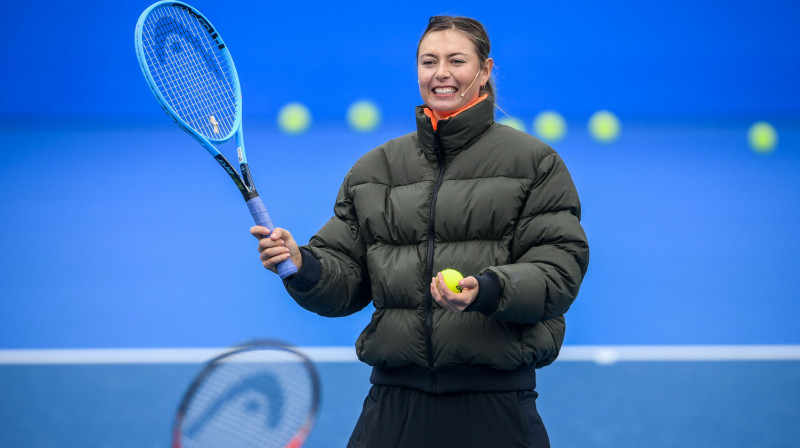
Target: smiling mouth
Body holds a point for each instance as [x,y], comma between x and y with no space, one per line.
[444,90]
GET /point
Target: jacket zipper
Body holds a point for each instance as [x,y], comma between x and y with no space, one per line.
[441,163]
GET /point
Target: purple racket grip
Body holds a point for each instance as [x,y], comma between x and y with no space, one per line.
[260,215]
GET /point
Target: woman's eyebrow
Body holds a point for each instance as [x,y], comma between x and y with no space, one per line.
[458,53]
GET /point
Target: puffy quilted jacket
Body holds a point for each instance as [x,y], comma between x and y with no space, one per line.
[473,195]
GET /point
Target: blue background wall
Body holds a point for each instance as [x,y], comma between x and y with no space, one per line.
[118,231]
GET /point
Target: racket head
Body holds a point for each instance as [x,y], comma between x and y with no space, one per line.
[264,393]
[190,71]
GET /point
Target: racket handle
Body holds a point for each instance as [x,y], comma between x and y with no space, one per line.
[261,217]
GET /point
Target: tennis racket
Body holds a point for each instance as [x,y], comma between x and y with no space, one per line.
[262,394]
[190,71]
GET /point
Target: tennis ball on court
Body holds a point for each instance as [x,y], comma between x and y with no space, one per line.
[515,123]
[604,126]
[363,116]
[550,126]
[294,118]
[762,137]
[451,278]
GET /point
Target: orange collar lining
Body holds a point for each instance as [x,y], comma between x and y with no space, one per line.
[435,122]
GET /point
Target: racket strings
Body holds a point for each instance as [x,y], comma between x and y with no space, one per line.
[190,71]
[261,398]
[196,84]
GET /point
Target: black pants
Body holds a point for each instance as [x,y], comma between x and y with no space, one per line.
[396,417]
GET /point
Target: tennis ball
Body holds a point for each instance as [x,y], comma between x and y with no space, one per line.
[294,118]
[762,137]
[515,123]
[451,278]
[363,116]
[550,126]
[604,126]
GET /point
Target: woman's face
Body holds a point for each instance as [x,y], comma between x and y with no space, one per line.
[449,71]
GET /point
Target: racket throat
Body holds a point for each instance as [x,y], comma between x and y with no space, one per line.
[247,178]
[245,186]
[250,192]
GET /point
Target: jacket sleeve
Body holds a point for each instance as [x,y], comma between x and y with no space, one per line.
[343,287]
[549,250]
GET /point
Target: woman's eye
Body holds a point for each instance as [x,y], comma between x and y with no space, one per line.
[428,62]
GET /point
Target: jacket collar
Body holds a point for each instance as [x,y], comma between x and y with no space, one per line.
[455,133]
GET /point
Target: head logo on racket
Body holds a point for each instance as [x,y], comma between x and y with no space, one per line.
[263,393]
[190,71]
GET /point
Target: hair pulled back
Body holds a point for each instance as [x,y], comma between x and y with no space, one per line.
[476,33]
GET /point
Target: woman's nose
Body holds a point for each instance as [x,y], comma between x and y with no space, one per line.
[442,73]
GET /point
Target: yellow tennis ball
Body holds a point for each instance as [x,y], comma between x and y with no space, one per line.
[604,126]
[762,137]
[451,278]
[363,116]
[294,118]
[550,126]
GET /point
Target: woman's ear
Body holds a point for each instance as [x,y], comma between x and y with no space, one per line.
[486,71]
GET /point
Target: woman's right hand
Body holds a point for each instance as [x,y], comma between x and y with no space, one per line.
[276,247]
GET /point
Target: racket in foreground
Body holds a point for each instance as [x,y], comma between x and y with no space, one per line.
[263,394]
[190,71]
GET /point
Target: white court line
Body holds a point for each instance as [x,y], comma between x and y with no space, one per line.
[606,354]
[610,354]
[150,355]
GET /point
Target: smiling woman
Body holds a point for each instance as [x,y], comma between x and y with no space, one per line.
[450,62]
[449,367]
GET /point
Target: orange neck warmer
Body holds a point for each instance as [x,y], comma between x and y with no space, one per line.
[435,122]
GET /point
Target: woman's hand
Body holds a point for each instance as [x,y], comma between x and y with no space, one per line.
[276,247]
[451,300]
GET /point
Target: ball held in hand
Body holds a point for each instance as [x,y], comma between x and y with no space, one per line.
[451,278]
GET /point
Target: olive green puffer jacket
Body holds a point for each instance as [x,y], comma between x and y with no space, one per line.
[473,195]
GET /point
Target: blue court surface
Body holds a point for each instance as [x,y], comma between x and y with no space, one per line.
[583,403]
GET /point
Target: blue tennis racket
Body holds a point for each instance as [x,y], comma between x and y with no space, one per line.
[262,394]
[190,71]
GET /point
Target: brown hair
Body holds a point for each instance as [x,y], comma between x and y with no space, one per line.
[476,33]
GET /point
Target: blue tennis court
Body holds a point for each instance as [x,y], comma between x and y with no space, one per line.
[627,404]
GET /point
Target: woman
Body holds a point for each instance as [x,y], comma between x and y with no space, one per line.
[449,369]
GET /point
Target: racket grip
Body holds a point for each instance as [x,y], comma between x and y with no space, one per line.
[261,217]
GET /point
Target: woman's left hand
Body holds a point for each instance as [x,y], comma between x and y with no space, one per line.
[451,300]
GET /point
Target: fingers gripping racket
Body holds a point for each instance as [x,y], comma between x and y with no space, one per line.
[263,394]
[190,71]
